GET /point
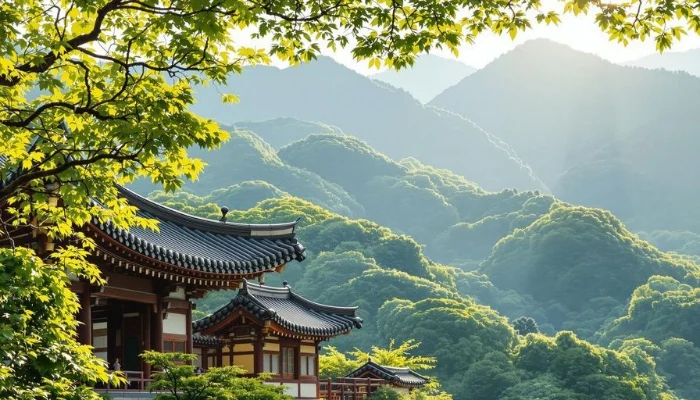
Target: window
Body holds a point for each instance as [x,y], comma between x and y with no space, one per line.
[287,361]
[173,346]
[271,363]
[308,365]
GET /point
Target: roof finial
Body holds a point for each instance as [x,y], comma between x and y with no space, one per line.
[224,211]
[285,283]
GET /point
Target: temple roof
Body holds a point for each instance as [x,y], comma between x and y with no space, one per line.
[398,376]
[206,245]
[286,308]
[205,340]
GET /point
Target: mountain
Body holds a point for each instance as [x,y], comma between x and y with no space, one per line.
[596,133]
[389,119]
[413,198]
[428,77]
[648,178]
[570,268]
[688,61]
[279,132]
[247,157]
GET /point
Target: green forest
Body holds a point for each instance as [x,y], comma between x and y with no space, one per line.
[516,223]
[429,255]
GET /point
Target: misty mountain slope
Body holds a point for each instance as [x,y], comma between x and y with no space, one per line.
[280,132]
[555,105]
[688,61]
[649,178]
[247,157]
[390,119]
[428,77]
[457,220]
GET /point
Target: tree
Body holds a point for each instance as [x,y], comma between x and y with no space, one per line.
[180,382]
[385,393]
[525,325]
[334,364]
[40,358]
[397,356]
[94,92]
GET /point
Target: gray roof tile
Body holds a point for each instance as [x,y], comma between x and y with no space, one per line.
[396,375]
[288,309]
[206,245]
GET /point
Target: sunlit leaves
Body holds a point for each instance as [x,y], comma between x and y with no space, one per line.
[38,328]
[177,381]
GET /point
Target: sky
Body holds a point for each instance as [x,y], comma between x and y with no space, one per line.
[578,32]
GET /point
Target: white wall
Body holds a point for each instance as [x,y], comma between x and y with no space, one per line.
[308,390]
[175,324]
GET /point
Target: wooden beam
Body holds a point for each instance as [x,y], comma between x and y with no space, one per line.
[110,292]
[177,304]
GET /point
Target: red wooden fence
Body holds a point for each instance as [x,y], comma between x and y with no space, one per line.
[348,388]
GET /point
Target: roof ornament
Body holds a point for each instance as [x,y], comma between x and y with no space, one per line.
[286,285]
[224,211]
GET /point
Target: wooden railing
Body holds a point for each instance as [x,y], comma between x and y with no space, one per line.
[134,380]
[348,388]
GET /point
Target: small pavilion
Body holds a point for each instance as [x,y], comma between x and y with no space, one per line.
[273,330]
[402,380]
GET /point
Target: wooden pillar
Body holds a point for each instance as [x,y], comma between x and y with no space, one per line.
[297,361]
[219,359]
[205,358]
[318,349]
[157,326]
[146,335]
[258,354]
[114,325]
[188,330]
[85,333]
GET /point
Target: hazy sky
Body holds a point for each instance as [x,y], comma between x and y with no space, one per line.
[580,33]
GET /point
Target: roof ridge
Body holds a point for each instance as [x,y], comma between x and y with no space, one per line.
[285,229]
[287,290]
[263,301]
[251,288]
[323,307]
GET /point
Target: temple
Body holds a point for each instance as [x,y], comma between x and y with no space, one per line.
[151,277]
[403,380]
[274,330]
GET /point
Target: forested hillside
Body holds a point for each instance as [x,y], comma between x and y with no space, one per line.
[402,295]
[469,264]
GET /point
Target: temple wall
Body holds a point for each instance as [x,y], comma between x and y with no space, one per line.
[178,294]
[308,390]
[245,361]
[175,324]
[307,349]
[99,339]
[298,390]
[198,361]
